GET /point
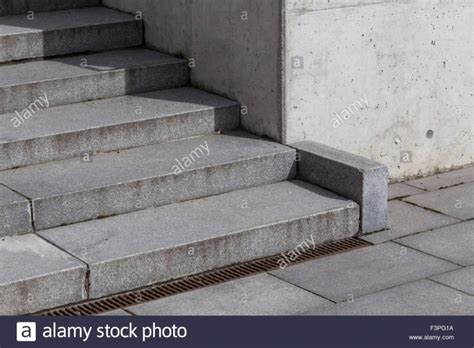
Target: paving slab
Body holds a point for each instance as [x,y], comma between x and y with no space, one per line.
[457,201]
[100,75]
[36,275]
[400,190]
[379,237]
[15,213]
[74,190]
[115,313]
[156,245]
[261,294]
[443,180]
[66,32]
[406,219]
[453,243]
[422,297]
[363,271]
[461,279]
[12,7]
[114,124]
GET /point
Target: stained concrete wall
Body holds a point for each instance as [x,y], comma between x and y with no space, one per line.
[235,47]
[388,80]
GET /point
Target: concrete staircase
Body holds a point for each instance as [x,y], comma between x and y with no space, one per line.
[116,174]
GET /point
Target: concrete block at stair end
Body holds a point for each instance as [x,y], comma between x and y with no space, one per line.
[357,178]
[15,213]
[196,236]
[14,7]
[37,276]
[67,32]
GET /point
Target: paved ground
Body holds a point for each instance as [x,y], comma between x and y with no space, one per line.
[423,265]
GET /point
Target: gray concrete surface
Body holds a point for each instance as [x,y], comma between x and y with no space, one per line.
[456,201]
[401,190]
[454,243]
[443,180]
[39,276]
[66,32]
[461,279]
[423,297]
[262,294]
[113,124]
[382,79]
[107,74]
[15,213]
[74,190]
[405,219]
[363,271]
[354,177]
[118,313]
[195,236]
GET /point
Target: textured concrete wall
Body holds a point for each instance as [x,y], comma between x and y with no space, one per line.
[234,44]
[388,80]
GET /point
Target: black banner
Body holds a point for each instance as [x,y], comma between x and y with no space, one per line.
[291,332]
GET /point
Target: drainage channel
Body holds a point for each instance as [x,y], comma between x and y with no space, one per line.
[157,291]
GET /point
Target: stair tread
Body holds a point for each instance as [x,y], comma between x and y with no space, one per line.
[108,112]
[68,67]
[32,256]
[68,176]
[193,221]
[155,245]
[58,20]
[8,197]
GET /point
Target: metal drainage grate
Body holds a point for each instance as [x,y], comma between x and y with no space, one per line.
[199,281]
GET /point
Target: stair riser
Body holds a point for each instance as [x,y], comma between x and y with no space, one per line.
[15,219]
[128,135]
[95,86]
[163,265]
[67,41]
[151,192]
[53,290]
[15,7]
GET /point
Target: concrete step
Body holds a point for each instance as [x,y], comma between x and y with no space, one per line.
[155,245]
[66,32]
[27,87]
[15,217]
[13,7]
[112,124]
[36,275]
[81,189]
